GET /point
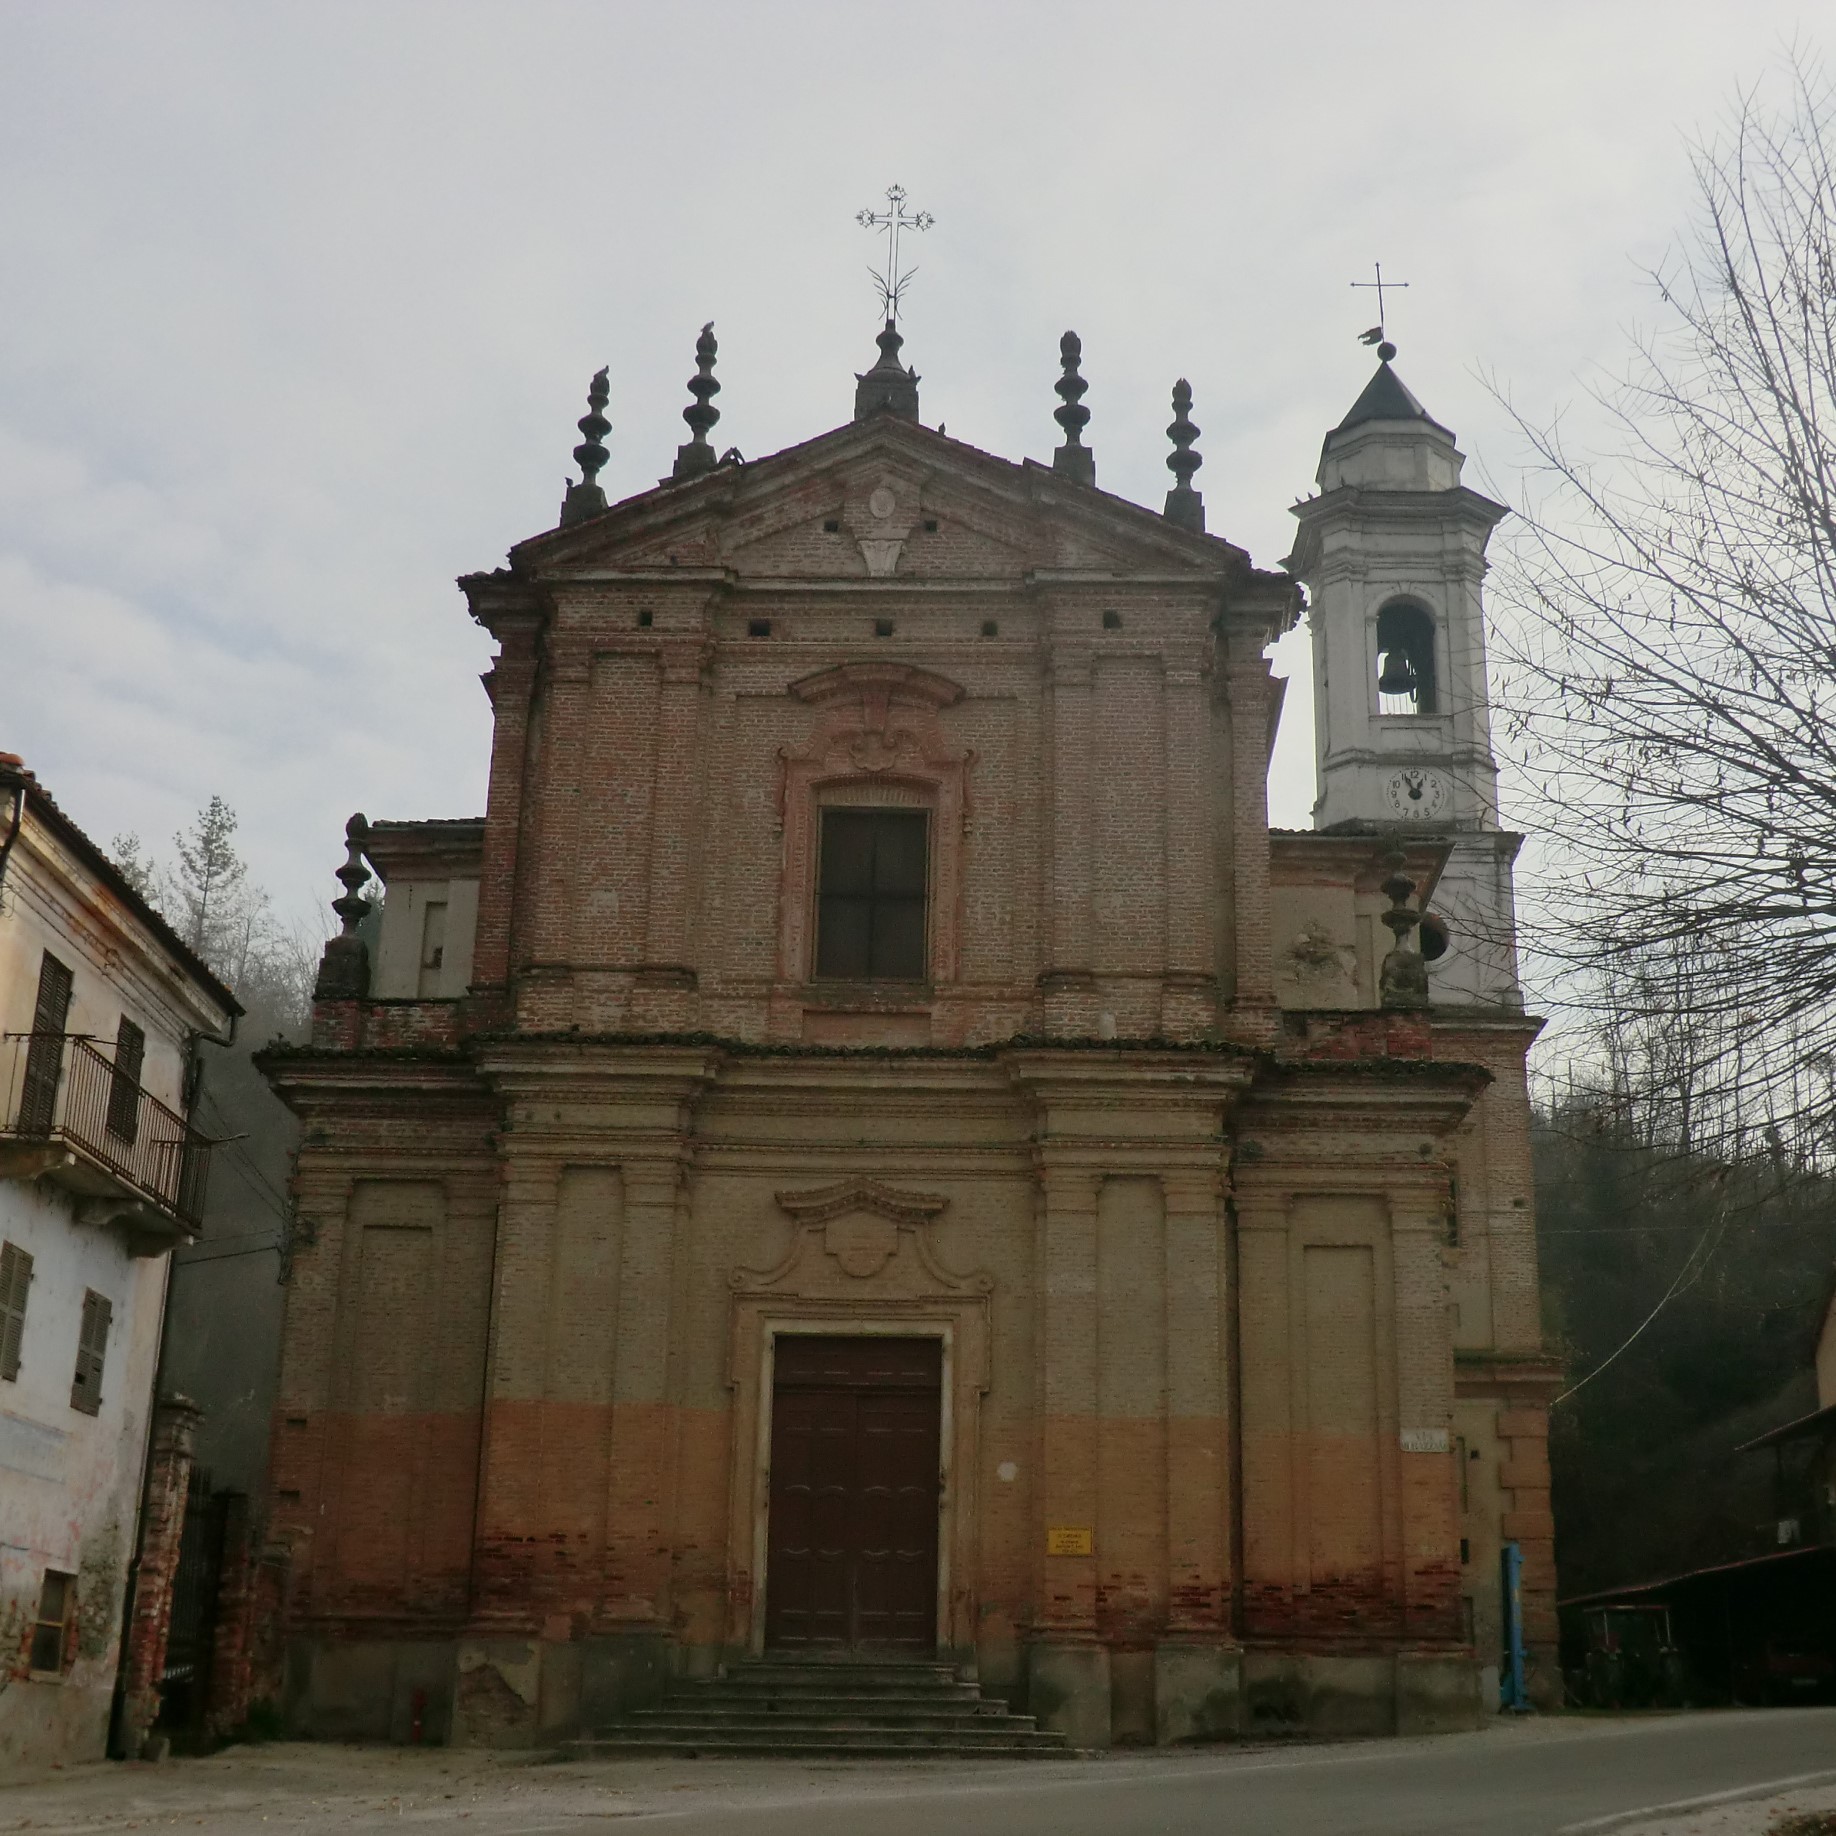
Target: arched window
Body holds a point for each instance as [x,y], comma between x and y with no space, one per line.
[1405,660]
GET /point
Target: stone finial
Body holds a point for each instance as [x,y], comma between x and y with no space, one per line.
[586,498]
[1404,981]
[1074,459]
[889,387]
[344,968]
[697,456]
[1184,506]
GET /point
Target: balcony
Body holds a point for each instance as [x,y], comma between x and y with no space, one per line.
[67,1116]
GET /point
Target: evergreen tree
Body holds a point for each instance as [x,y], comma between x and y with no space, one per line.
[137,867]
[212,899]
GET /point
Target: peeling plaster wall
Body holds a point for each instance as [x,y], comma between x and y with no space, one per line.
[69,1482]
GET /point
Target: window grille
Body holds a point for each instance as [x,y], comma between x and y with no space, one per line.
[873,873]
[51,1631]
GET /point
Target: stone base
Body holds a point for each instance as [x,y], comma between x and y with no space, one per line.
[474,1692]
[1198,1693]
[531,1692]
[1438,1693]
[1399,1692]
[1068,1691]
[370,1689]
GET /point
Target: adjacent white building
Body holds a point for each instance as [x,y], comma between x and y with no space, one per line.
[102,1011]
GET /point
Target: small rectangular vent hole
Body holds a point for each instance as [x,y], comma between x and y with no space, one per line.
[758,627]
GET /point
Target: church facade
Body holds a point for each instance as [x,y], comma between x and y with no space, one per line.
[871,1146]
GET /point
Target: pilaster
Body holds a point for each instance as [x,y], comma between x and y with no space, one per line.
[665,996]
[1069,988]
[510,683]
[1198,1425]
[1067,1492]
[640,1513]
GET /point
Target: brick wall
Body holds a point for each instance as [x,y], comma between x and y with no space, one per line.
[1203,1248]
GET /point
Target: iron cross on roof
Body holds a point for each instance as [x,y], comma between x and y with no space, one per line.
[1376,334]
[893,219]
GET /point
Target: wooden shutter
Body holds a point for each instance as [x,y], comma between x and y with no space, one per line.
[15,1281]
[45,1055]
[124,1080]
[92,1349]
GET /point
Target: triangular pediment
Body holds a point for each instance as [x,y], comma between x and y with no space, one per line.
[882,498]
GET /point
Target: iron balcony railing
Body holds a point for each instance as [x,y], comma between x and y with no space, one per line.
[59,1087]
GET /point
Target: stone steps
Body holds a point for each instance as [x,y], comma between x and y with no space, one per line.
[827,1708]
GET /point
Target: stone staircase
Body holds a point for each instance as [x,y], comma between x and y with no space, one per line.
[827,1709]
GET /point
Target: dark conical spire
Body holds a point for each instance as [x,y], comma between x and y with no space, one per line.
[1184,505]
[1387,397]
[697,455]
[586,498]
[1074,459]
[889,387]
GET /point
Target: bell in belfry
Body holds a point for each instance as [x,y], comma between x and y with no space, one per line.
[1398,674]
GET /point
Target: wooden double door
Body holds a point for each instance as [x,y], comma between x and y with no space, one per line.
[855,1485]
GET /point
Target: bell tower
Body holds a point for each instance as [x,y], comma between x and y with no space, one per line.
[1392,552]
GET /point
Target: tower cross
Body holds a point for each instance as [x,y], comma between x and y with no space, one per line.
[893,220]
[1376,332]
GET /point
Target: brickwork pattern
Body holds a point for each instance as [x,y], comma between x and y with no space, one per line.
[162,1526]
[543,1235]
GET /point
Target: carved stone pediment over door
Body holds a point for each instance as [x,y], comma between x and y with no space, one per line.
[858,1242]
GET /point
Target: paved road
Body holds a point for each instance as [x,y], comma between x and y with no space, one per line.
[1539,1778]
[1574,1777]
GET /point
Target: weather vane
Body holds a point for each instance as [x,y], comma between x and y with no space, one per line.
[893,219]
[1385,349]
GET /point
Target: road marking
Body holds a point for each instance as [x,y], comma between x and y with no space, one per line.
[1708,1801]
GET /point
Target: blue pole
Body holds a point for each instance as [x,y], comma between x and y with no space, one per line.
[1512,1695]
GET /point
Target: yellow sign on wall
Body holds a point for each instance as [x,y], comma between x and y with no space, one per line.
[1070,1540]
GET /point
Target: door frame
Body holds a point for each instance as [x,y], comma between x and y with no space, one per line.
[771,1329]
[859,1264]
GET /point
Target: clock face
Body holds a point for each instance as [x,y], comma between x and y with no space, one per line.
[1415,794]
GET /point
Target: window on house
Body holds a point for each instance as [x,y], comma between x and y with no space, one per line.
[45,1055]
[870,922]
[92,1351]
[433,947]
[1405,660]
[124,1080]
[51,1631]
[15,1281]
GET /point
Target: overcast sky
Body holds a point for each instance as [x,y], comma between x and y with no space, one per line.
[300,304]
